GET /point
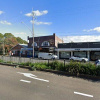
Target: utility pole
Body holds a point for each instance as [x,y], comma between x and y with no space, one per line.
[33,29]
[3,47]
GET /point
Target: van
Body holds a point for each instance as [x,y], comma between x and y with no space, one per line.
[43,55]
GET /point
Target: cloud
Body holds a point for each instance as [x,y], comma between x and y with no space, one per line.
[20,33]
[97,29]
[1,12]
[5,22]
[41,23]
[37,13]
[85,38]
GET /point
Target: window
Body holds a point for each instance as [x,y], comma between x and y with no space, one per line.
[45,43]
[65,55]
[80,54]
[35,44]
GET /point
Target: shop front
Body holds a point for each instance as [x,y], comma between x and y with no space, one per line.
[80,54]
[90,50]
[94,55]
[64,55]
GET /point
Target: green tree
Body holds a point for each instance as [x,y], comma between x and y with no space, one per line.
[8,35]
[21,40]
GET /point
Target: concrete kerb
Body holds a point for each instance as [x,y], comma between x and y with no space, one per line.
[94,78]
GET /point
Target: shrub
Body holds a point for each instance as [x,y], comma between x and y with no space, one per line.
[98,71]
[22,64]
[73,67]
[27,63]
[1,60]
[60,66]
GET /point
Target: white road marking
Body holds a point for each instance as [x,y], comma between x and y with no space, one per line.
[25,81]
[84,94]
[32,76]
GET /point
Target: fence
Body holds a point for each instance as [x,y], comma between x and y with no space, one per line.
[24,60]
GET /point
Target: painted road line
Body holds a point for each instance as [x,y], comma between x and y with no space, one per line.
[83,94]
[33,76]
[25,81]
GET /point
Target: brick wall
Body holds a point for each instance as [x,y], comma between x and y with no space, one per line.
[52,39]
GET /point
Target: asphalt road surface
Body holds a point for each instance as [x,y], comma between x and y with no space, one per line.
[21,84]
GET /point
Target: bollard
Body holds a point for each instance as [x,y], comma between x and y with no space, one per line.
[2,57]
[10,58]
[19,60]
[30,59]
[48,62]
[64,63]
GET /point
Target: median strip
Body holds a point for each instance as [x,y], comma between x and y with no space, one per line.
[83,94]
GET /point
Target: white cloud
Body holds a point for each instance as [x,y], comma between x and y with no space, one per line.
[21,33]
[37,13]
[5,22]
[41,23]
[1,12]
[94,29]
[85,38]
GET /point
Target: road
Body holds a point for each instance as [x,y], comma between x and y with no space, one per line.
[22,84]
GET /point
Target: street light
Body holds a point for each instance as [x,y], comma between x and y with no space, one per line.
[32,31]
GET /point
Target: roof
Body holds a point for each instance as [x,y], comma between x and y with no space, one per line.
[23,45]
[80,45]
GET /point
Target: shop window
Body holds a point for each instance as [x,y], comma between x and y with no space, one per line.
[65,55]
[94,55]
[80,54]
[45,43]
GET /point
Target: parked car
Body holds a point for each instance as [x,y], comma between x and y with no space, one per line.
[97,62]
[82,59]
[43,55]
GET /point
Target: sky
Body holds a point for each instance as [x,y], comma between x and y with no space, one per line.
[71,20]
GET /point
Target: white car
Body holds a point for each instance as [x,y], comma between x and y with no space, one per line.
[82,59]
[42,55]
[97,62]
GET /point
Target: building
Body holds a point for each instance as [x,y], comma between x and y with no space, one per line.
[44,43]
[16,50]
[90,50]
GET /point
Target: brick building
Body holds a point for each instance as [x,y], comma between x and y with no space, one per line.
[44,43]
[16,50]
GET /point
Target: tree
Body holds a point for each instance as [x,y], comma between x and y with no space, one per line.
[9,43]
[8,35]
[21,40]
[8,40]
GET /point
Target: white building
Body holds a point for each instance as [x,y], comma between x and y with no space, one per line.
[90,50]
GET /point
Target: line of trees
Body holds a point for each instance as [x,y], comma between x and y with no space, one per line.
[8,40]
